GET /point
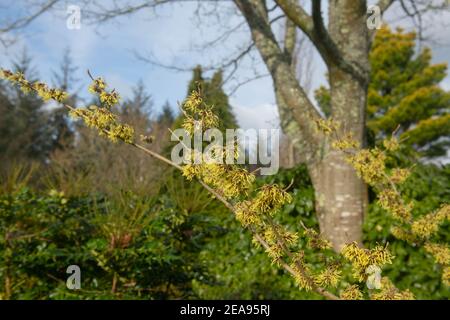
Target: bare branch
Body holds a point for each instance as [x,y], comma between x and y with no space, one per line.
[384,5]
[314,28]
[20,23]
[280,68]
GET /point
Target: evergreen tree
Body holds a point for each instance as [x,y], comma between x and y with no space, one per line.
[64,78]
[24,134]
[213,95]
[137,109]
[166,117]
[404,92]
[30,130]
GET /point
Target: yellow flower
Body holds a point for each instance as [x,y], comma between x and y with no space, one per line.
[237,182]
[446,276]
[193,101]
[362,258]
[270,198]
[97,86]
[391,144]
[190,171]
[316,241]
[109,99]
[329,277]
[369,165]
[121,132]
[428,225]
[440,252]
[345,143]
[245,215]
[401,234]
[399,176]
[390,292]
[302,281]
[351,293]
[327,126]
[391,201]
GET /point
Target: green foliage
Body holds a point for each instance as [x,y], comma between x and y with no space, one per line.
[412,267]
[27,130]
[242,271]
[127,248]
[184,244]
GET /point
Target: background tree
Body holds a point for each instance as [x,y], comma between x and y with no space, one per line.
[91,154]
[404,92]
[215,96]
[344,47]
[29,129]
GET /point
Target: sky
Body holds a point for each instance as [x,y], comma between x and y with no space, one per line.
[173,35]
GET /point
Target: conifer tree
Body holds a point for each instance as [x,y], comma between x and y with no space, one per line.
[23,124]
[214,95]
[166,117]
[404,92]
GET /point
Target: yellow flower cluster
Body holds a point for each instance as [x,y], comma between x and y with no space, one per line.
[100,118]
[446,276]
[270,198]
[191,171]
[191,125]
[329,277]
[402,234]
[428,225]
[273,234]
[105,122]
[351,292]
[369,165]
[390,292]
[362,258]
[345,143]
[95,117]
[122,132]
[232,181]
[238,181]
[327,126]
[391,144]
[302,281]
[40,88]
[245,215]
[107,99]
[198,116]
[440,252]
[316,241]
[275,252]
[97,86]
[444,212]
[391,201]
[193,102]
[399,175]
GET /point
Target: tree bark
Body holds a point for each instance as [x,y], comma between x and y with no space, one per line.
[341,197]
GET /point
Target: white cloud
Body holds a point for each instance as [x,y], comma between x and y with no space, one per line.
[264,116]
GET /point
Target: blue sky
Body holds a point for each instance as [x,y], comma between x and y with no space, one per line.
[172,35]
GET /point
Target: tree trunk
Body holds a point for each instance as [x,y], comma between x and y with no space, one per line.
[341,197]
[341,200]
